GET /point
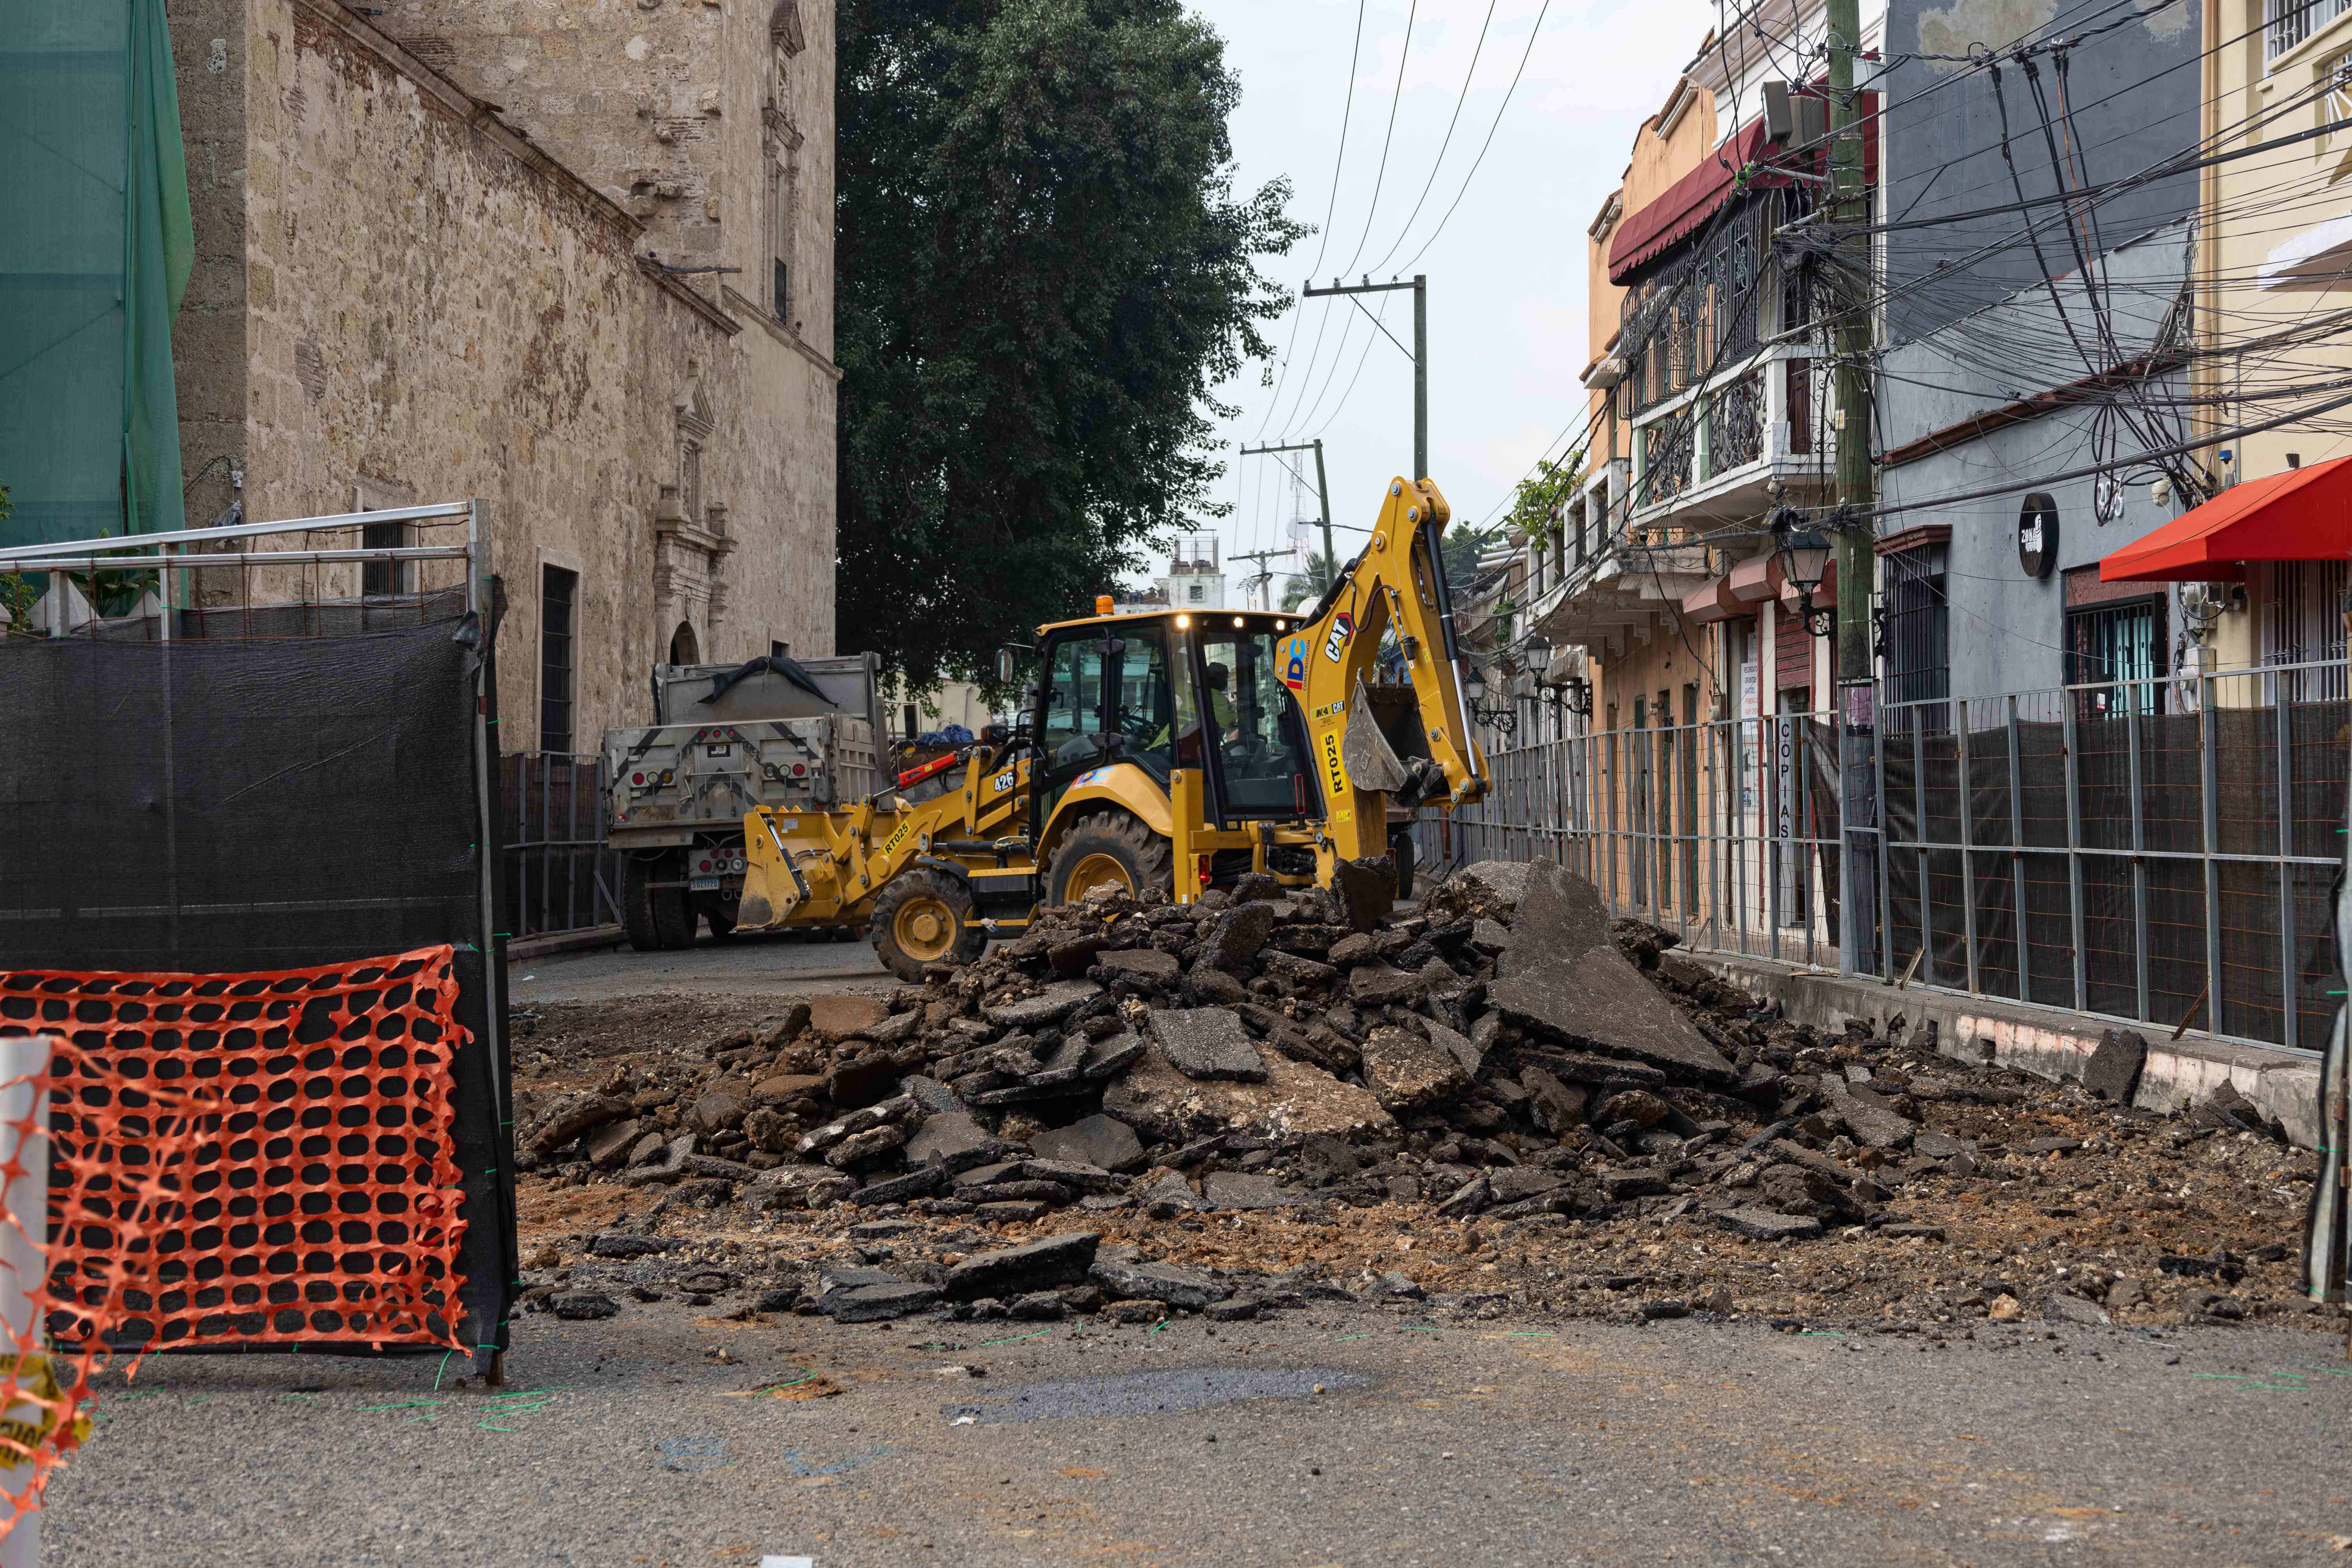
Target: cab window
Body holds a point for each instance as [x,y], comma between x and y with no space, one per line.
[1258,737]
[1124,692]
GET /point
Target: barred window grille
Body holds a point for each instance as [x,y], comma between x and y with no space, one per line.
[2286,22]
[2303,625]
[1702,307]
[1735,424]
[1918,627]
[1666,460]
[2115,653]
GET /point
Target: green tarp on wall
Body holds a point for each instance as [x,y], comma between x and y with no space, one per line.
[95,246]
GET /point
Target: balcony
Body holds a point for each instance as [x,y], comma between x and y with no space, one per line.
[1610,588]
[1710,455]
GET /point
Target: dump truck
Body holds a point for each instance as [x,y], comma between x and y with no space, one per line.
[1172,750]
[726,737]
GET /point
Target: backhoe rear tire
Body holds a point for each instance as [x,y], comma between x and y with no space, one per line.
[1112,846]
[919,921]
[1401,850]
[653,919]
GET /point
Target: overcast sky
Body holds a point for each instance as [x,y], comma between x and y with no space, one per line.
[1507,323]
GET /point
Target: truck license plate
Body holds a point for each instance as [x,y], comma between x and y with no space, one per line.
[704,884]
[722,749]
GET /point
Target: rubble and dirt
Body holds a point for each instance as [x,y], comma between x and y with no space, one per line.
[1499,1101]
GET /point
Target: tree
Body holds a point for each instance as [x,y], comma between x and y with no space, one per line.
[1536,506]
[1307,587]
[1460,547]
[1044,275]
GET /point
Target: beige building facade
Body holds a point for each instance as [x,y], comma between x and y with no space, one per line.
[409,288]
[2276,272]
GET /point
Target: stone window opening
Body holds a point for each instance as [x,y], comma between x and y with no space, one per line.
[683,647]
[690,479]
[558,662]
[780,240]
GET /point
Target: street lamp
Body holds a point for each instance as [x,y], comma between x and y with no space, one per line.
[1804,561]
[1474,687]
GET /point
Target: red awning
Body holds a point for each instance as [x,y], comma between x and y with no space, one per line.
[1692,199]
[2304,515]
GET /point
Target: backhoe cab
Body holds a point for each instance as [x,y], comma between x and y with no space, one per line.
[1175,750]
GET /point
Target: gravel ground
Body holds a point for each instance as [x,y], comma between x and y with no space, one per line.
[668,1435]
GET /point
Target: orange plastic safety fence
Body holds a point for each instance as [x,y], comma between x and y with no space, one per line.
[313,1197]
[44,1390]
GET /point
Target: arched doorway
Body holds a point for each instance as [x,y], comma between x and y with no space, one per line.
[683,649]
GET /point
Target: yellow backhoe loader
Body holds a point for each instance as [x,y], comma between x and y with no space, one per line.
[1175,749]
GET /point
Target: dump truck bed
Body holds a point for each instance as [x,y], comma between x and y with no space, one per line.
[667,781]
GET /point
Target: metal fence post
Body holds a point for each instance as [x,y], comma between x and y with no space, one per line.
[1717,872]
[1886,852]
[2017,849]
[1959,710]
[2289,1003]
[2138,860]
[1919,837]
[2075,848]
[2209,787]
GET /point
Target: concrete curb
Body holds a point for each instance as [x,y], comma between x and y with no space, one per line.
[2283,1086]
[565,942]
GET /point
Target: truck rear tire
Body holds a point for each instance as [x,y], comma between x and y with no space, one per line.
[653,919]
[1113,847]
[919,921]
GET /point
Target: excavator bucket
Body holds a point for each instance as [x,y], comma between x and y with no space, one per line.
[1385,748]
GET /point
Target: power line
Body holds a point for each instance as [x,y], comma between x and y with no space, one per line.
[1438,163]
[1396,101]
[1533,33]
[1331,208]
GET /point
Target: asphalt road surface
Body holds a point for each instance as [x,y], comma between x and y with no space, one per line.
[752,965]
[1432,1441]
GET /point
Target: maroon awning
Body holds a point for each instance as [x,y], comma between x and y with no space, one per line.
[1690,201]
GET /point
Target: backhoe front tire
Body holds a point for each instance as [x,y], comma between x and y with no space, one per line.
[1112,847]
[919,919]
[653,919]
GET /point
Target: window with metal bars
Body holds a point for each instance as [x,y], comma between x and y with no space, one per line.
[2303,624]
[1918,626]
[383,579]
[558,606]
[1703,307]
[2116,652]
[2286,22]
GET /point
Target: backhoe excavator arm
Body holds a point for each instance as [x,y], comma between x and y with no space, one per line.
[1370,742]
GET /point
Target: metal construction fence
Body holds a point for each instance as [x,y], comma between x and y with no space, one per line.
[561,876]
[2160,851]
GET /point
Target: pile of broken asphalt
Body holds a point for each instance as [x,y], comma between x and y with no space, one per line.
[1500,1103]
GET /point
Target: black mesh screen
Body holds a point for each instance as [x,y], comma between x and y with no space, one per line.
[234,805]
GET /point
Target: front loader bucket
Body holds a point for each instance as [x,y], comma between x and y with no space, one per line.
[773,887]
[1386,749]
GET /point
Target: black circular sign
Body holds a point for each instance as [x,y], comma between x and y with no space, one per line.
[2037,534]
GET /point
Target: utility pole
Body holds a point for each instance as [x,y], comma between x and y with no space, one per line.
[1259,580]
[1418,354]
[1856,488]
[1322,486]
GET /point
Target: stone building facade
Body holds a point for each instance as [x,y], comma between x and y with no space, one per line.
[410,289]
